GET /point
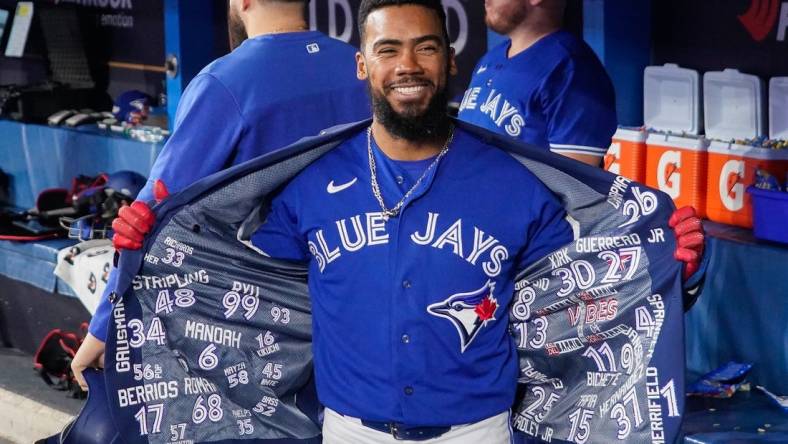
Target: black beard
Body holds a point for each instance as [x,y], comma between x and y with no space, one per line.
[235,29]
[430,125]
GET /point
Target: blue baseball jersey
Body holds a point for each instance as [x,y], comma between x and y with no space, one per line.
[269,92]
[409,314]
[555,94]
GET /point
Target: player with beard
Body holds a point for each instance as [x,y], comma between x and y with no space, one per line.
[543,86]
[413,231]
[281,82]
[411,264]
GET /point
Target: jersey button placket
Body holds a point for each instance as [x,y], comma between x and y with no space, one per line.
[405,338]
[409,350]
[399,319]
[408,353]
[495,70]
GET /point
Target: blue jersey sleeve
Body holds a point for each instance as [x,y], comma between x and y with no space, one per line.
[548,230]
[579,108]
[279,236]
[208,125]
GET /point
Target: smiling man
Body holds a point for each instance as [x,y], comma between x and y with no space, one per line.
[412,232]
[401,227]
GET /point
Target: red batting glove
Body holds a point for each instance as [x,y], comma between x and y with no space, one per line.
[690,239]
[135,221]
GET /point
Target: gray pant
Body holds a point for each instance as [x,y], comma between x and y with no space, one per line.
[340,429]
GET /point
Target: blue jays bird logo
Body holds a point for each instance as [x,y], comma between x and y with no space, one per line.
[468,312]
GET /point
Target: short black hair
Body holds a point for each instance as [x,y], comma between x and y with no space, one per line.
[369,6]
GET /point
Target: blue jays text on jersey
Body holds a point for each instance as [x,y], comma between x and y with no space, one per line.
[269,92]
[436,274]
[595,322]
[555,95]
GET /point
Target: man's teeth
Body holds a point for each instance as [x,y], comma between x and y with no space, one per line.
[409,89]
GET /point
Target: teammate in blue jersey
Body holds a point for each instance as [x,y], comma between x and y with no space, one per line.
[543,85]
[279,85]
[402,226]
[546,87]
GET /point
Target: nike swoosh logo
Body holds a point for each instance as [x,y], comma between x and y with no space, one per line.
[331,188]
[482,69]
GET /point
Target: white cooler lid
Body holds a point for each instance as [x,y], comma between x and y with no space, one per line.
[733,105]
[677,141]
[778,108]
[671,99]
[752,152]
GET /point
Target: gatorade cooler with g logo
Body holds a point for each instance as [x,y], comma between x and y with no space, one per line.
[677,166]
[731,170]
[627,154]
[735,110]
[675,154]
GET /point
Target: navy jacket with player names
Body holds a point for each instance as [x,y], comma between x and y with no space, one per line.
[211,341]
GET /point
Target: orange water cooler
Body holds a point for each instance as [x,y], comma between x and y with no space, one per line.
[734,109]
[627,154]
[731,170]
[675,153]
[677,165]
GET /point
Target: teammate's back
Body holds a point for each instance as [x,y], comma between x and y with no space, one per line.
[291,85]
[271,91]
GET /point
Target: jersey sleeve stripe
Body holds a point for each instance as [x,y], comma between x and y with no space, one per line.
[577,149]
